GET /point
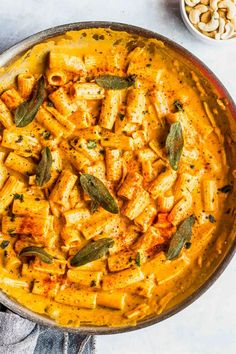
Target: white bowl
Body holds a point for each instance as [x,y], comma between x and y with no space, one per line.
[197,33]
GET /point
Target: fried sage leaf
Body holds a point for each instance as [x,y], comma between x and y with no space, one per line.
[174,145]
[43,170]
[36,251]
[91,252]
[182,235]
[99,193]
[27,110]
[112,82]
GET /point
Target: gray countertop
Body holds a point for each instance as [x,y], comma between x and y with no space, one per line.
[209,325]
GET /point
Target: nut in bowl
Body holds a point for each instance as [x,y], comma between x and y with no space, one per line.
[212,21]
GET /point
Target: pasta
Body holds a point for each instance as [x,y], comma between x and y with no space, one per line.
[101,179]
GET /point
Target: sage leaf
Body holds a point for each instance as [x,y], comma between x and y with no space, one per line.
[174,145]
[27,110]
[94,206]
[43,170]
[98,192]
[112,82]
[36,251]
[182,235]
[91,252]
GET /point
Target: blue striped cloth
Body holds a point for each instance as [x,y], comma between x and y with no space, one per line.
[21,336]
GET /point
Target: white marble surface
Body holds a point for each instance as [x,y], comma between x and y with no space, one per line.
[209,325]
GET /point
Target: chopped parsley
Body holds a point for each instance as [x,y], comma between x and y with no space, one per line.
[188,245]
[93,283]
[46,135]
[211,219]
[138,259]
[19,197]
[178,106]
[19,140]
[91,144]
[121,116]
[4,244]
[226,189]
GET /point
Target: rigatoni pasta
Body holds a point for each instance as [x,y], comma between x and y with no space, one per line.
[114,178]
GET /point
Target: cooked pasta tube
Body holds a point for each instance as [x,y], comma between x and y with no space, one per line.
[25,225]
[28,205]
[21,142]
[112,300]
[11,98]
[77,216]
[46,119]
[78,298]
[61,191]
[134,207]
[5,115]
[87,91]
[78,160]
[181,209]
[20,164]
[209,194]
[138,312]
[130,185]
[136,102]
[85,278]
[143,288]
[57,77]
[11,187]
[113,164]
[45,288]
[64,121]
[62,101]
[122,279]
[145,219]
[110,107]
[96,224]
[121,260]
[162,183]
[25,84]
[66,62]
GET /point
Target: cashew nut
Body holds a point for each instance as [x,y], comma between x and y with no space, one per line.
[196,12]
[233,21]
[221,28]
[206,16]
[230,6]
[229,31]
[214,4]
[212,25]
[205,2]
[192,3]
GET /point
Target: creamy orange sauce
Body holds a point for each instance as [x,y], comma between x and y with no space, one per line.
[164,77]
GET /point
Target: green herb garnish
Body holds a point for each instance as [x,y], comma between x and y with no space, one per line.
[19,197]
[91,144]
[112,82]
[27,110]
[36,251]
[91,252]
[174,145]
[182,235]
[43,170]
[138,259]
[178,106]
[226,189]
[4,244]
[98,192]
